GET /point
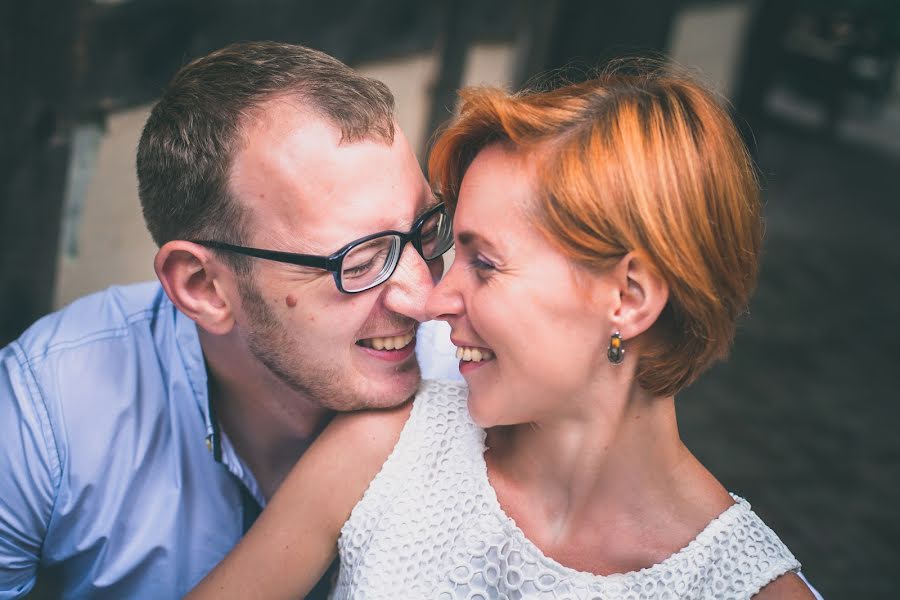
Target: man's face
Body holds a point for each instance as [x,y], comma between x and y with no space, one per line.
[308,193]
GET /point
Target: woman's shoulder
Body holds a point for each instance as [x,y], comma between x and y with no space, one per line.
[441,412]
[447,388]
[743,548]
[379,429]
[381,437]
[356,445]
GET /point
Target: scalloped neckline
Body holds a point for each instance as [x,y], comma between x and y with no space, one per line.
[511,528]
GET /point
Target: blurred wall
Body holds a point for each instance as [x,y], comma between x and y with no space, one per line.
[104,241]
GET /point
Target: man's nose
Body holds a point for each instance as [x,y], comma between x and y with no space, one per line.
[409,285]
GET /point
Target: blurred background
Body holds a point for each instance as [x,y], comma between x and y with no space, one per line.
[803,418]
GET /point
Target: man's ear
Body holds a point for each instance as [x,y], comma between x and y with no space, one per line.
[192,278]
[642,295]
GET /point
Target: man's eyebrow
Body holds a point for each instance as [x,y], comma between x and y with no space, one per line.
[429,204]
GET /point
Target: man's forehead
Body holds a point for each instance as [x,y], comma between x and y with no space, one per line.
[300,183]
[332,229]
[294,108]
[284,124]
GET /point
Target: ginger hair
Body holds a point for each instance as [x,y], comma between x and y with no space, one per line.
[647,162]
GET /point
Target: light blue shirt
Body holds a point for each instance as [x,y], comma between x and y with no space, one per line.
[110,484]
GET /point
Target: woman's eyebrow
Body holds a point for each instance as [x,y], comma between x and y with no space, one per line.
[469,238]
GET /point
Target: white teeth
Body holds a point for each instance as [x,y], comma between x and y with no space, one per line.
[395,342]
[473,354]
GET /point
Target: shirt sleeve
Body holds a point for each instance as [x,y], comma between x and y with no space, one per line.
[436,354]
[29,470]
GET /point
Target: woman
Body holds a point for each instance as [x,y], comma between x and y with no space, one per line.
[607,238]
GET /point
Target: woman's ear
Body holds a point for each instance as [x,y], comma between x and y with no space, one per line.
[192,278]
[642,295]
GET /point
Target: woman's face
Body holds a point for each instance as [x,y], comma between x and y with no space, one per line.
[538,325]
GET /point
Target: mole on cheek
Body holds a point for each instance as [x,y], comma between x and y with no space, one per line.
[291,300]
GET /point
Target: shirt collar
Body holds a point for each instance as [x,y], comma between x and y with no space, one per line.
[215,439]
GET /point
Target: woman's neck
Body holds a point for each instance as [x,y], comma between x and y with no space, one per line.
[619,468]
[613,444]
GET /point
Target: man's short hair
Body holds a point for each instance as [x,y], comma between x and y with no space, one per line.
[190,139]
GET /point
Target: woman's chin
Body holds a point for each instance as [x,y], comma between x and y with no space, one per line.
[484,412]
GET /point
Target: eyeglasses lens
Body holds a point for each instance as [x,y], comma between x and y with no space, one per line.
[436,235]
[370,263]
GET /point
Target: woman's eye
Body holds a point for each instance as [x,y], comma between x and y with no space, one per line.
[482,268]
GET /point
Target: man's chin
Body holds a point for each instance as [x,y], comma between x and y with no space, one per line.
[385,390]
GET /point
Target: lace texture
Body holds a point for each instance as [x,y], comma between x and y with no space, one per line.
[430,526]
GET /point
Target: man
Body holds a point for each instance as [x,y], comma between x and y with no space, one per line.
[142,427]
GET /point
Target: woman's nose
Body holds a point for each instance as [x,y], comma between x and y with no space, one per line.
[445,301]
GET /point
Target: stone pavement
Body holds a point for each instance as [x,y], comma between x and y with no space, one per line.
[803,418]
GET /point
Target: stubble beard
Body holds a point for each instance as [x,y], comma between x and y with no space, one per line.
[325,385]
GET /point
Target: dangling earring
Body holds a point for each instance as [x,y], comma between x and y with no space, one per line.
[616,352]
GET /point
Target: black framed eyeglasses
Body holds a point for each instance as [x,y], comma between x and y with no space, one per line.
[369,261]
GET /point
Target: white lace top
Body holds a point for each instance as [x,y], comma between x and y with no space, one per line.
[430,526]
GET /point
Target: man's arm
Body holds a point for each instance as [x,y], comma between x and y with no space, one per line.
[29,471]
[295,538]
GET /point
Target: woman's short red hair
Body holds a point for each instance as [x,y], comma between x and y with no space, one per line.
[647,162]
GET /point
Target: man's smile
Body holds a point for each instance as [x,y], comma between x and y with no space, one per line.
[391,342]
